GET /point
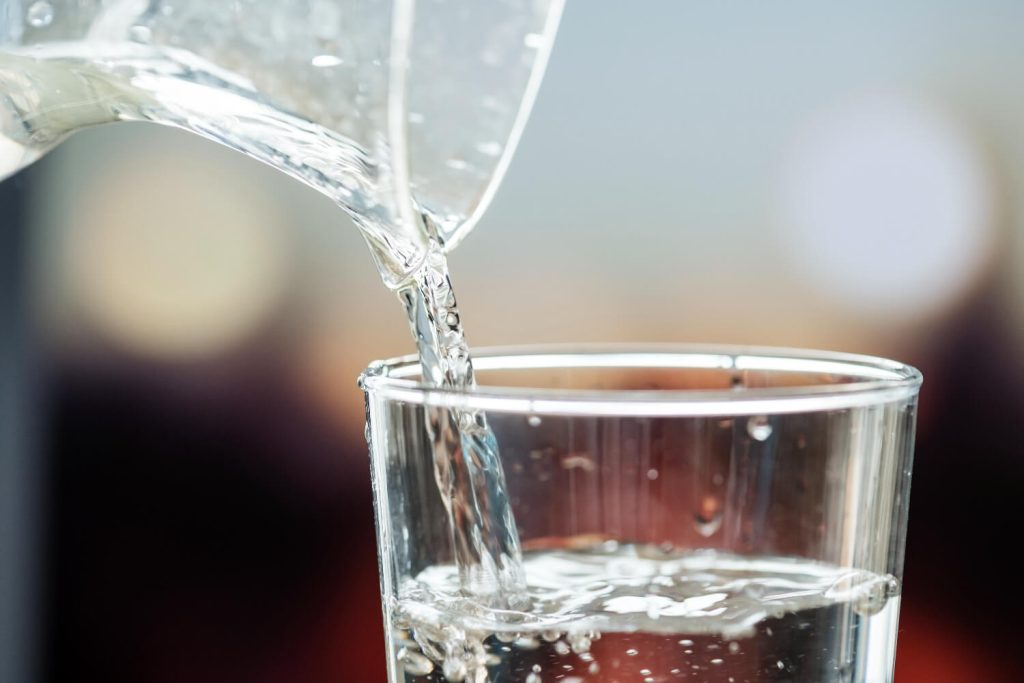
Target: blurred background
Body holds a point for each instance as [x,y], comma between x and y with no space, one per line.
[183,327]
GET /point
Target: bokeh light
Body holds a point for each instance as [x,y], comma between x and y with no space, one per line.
[174,269]
[887,207]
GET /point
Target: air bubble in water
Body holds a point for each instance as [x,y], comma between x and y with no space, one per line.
[454,669]
[414,663]
[533,678]
[40,14]
[632,652]
[527,643]
[872,599]
[533,421]
[561,648]
[580,642]
[582,462]
[708,518]
[759,428]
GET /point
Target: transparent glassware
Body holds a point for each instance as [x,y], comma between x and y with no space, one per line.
[405,112]
[686,513]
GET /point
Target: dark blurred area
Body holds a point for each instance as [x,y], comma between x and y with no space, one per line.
[206,535]
[184,486]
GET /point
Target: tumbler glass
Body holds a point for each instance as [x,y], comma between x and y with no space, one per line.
[683,513]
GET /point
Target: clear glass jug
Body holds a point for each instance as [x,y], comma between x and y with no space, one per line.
[405,112]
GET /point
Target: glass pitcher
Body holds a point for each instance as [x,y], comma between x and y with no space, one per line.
[405,112]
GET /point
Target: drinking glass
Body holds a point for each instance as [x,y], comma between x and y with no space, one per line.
[684,513]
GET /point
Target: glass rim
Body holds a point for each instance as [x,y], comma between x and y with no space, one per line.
[874,381]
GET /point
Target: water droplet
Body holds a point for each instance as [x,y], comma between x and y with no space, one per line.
[533,40]
[734,647]
[414,663]
[140,33]
[39,14]
[491,57]
[759,428]
[533,421]
[326,61]
[491,149]
[631,652]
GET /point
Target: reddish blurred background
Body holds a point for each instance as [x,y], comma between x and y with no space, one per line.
[191,325]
